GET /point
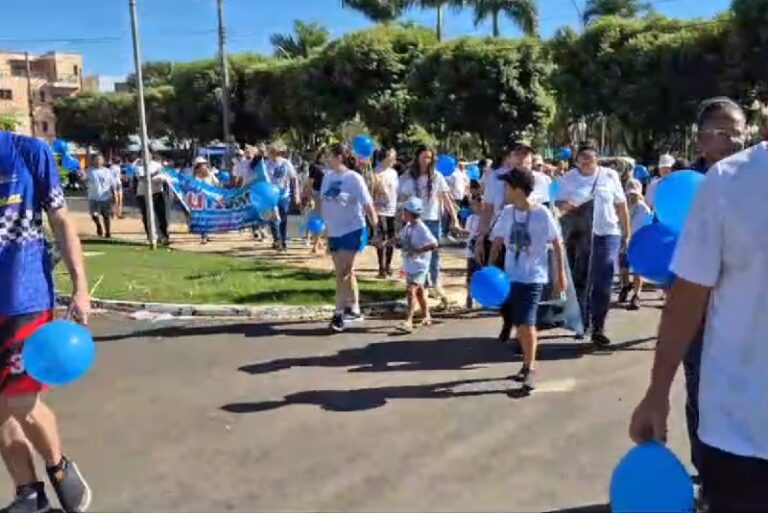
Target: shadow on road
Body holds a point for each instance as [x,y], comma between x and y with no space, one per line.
[371,398]
[594,508]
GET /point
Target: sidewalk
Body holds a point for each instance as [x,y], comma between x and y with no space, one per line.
[242,244]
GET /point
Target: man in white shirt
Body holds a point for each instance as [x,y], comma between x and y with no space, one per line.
[158,198]
[721,263]
[542,183]
[595,224]
[666,163]
[242,171]
[282,174]
[102,189]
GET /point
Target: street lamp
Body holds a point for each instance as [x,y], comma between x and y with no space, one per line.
[143,124]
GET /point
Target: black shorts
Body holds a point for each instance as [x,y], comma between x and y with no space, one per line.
[386,228]
[733,484]
[14,331]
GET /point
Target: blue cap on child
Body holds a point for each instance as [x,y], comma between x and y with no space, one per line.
[414,206]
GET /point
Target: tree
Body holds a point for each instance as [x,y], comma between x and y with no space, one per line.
[385,11]
[154,73]
[523,14]
[494,89]
[308,38]
[623,8]
[9,122]
[103,120]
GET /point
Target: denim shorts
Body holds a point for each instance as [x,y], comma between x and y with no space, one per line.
[419,278]
[522,304]
[353,241]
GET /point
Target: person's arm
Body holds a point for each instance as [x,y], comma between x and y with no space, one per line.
[68,242]
[697,264]
[560,282]
[496,246]
[447,200]
[370,212]
[622,211]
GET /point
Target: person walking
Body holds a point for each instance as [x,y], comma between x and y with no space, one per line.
[117,175]
[595,223]
[102,195]
[386,184]
[30,187]
[639,216]
[282,175]
[666,165]
[346,202]
[154,172]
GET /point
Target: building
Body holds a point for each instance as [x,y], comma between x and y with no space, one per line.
[29,85]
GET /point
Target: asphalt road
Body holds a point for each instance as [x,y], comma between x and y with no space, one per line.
[188,416]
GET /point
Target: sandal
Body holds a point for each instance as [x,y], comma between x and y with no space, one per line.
[406,327]
[426,322]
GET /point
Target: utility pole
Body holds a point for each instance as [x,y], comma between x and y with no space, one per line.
[143,125]
[224,82]
[30,98]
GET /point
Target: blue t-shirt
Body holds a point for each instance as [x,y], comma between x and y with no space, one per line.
[29,184]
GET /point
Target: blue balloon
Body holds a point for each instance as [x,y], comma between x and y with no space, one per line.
[264,196]
[70,163]
[363,146]
[650,478]
[446,165]
[315,225]
[130,171]
[641,173]
[224,177]
[554,190]
[674,197]
[473,172]
[464,214]
[58,353]
[60,146]
[490,286]
[650,252]
[566,153]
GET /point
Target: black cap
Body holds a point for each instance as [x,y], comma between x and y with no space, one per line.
[519,144]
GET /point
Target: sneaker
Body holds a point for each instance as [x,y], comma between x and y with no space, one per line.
[600,340]
[470,303]
[390,273]
[71,489]
[352,316]
[624,293]
[634,303]
[529,382]
[521,374]
[337,323]
[29,498]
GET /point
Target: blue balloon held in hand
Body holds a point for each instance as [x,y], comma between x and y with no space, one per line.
[363,146]
[58,353]
[566,153]
[224,177]
[60,146]
[473,172]
[315,225]
[464,214]
[264,196]
[446,165]
[641,173]
[650,478]
[650,252]
[490,286]
[674,197]
[70,163]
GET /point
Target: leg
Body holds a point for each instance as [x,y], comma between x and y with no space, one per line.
[93,207]
[354,290]
[16,452]
[338,272]
[604,252]
[412,298]
[158,202]
[529,339]
[382,246]
[421,296]
[389,250]
[691,367]
[283,225]
[434,263]
[38,424]
[107,215]
[119,203]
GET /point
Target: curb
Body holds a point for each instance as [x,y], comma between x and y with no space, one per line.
[264,313]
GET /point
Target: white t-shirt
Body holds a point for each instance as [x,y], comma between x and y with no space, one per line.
[458,183]
[541,186]
[473,227]
[386,204]
[576,189]
[344,195]
[157,176]
[243,170]
[494,189]
[101,183]
[724,246]
[639,216]
[526,236]
[410,187]
[415,236]
[280,173]
[650,192]
[117,176]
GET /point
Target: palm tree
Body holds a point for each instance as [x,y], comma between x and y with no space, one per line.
[523,13]
[307,38]
[384,11]
[595,9]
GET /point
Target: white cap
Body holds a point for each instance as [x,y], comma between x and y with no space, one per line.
[199,160]
[666,160]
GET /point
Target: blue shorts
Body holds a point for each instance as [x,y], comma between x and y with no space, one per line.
[352,241]
[522,305]
[419,278]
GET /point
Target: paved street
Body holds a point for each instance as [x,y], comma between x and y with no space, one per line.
[183,416]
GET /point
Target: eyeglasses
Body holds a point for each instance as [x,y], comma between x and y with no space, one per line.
[714,132]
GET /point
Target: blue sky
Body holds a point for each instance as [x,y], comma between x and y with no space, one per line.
[186,29]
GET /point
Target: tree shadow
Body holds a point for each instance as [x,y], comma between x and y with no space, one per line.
[372,398]
[592,508]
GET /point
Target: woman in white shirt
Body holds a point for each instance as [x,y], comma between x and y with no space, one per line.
[385,185]
[595,225]
[346,202]
[422,182]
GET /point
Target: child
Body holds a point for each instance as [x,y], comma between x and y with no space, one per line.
[470,230]
[526,228]
[639,216]
[417,243]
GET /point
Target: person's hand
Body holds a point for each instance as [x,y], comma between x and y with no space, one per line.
[79,307]
[649,420]
[624,242]
[560,284]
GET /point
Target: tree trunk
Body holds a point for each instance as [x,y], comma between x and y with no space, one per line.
[439,27]
[496,31]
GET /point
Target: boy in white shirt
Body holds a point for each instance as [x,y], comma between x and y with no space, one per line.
[417,243]
[639,216]
[102,188]
[526,229]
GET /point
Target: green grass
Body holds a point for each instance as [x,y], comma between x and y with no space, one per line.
[135,273]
